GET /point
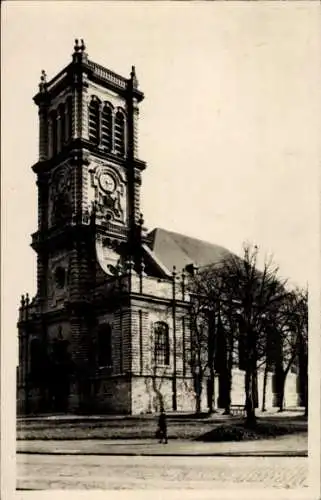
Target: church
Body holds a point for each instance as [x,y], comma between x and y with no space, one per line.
[108,330]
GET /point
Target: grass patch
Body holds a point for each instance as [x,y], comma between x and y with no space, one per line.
[239,432]
[231,429]
[109,429]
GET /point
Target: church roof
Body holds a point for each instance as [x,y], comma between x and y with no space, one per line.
[175,249]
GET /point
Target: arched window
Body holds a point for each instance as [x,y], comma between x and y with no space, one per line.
[94,122]
[53,132]
[105,345]
[61,127]
[120,133]
[69,119]
[107,127]
[161,345]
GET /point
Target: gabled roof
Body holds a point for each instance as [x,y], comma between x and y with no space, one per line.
[174,249]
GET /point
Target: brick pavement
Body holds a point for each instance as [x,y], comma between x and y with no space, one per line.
[121,472]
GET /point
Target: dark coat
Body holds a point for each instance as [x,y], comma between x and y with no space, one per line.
[162,423]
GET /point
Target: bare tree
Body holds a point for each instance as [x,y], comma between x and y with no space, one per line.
[299,326]
[213,329]
[254,294]
[199,342]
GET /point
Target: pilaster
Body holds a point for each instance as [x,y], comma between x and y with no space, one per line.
[43,133]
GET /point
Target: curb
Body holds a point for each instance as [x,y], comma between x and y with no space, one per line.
[173,454]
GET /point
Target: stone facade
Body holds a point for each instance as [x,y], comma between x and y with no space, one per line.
[105,298]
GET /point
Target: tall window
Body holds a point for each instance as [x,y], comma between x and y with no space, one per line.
[69,119]
[53,132]
[94,122]
[106,127]
[105,345]
[161,343]
[120,133]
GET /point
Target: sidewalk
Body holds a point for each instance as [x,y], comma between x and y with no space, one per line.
[294,445]
[218,415]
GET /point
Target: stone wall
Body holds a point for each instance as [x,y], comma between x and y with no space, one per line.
[113,395]
[147,393]
[290,397]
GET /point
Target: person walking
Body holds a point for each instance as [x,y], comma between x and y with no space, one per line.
[162,427]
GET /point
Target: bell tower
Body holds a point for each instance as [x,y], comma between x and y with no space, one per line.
[88,178]
[88,173]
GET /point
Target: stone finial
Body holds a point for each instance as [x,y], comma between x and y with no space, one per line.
[141,220]
[27,299]
[22,302]
[133,77]
[43,81]
[79,54]
[77,46]
[130,265]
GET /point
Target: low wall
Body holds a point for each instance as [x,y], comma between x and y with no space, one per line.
[146,390]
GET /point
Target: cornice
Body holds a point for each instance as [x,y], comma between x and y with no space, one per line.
[78,150]
[72,76]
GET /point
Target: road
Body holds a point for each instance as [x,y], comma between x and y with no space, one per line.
[142,472]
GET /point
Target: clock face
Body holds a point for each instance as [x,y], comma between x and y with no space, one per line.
[107,182]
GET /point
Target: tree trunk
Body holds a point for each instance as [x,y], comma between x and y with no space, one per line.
[198,392]
[229,382]
[255,396]
[281,392]
[198,404]
[227,409]
[249,403]
[264,387]
[210,392]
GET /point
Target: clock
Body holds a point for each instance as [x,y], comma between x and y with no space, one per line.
[107,182]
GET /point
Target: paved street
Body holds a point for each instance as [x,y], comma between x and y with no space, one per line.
[141,472]
[285,446]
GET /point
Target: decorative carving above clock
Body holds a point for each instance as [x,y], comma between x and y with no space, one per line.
[109,192]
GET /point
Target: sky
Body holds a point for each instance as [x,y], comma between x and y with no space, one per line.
[229,127]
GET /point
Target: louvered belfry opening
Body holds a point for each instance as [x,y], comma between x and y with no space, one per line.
[119,133]
[94,122]
[107,128]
